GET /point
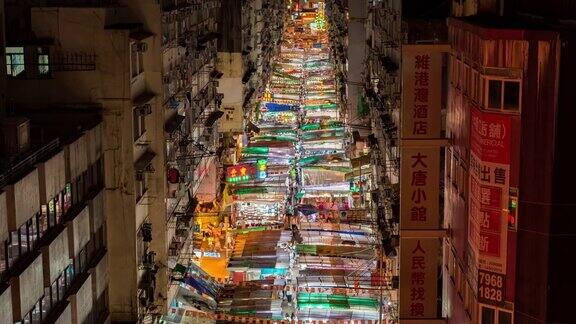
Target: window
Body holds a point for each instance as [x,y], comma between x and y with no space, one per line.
[140,185]
[43,61]
[136,59]
[78,188]
[504,317]
[14,61]
[46,303]
[22,240]
[13,247]
[490,315]
[54,296]
[511,95]
[56,208]
[503,95]
[32,230]
[80,261]
[67,197]
[34,316]
[139,120]
[494,94]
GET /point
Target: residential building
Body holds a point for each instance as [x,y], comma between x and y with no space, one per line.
[108,54]
[192,105]
[53,256]
[404,89]
[249,36]
[507,176]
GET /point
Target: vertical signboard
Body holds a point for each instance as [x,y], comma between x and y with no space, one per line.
[488,200]
[419,188]
[420,179]
[421,92]
[418,275]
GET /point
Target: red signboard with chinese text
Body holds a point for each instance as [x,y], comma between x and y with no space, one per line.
[490,136]
[489,170]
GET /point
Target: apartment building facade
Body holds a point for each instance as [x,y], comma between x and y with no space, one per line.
[506,175]
[192,105]
[249,36]
[53,256]
[107,54]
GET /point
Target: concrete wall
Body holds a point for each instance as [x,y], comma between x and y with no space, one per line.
[66,316]
[78,156]
[100,277]
[81,231]
[30,287]
[94,141]
[55,175]
[97,211]
[27,197]
[82,302]
[57,258]
[6,306]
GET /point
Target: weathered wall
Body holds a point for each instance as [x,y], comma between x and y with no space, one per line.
[81,231]
[6,306]
[31,286]
[27,197]
[57,258]
[55,175]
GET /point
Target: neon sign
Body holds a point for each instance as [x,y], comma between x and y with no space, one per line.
[261,166]
[247,171]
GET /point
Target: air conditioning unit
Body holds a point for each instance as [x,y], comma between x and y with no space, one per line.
[14,135]
[142,47]
[145,109]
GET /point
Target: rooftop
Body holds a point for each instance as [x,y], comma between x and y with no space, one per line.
[512,27]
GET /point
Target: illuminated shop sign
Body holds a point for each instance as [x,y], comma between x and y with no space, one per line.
[247,172]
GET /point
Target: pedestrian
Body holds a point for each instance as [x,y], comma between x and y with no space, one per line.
[289,296]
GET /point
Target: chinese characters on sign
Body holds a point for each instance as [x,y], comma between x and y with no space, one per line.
[422,80]
[489,189]
[419,270]
[420,178]
[419,188]
[246,172]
